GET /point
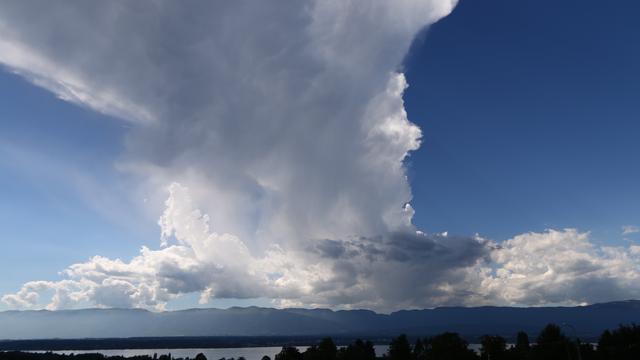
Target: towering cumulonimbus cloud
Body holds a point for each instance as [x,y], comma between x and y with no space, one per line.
[285,118]
[271,136]
[282,121]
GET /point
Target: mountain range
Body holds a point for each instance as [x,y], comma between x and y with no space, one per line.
[582,321]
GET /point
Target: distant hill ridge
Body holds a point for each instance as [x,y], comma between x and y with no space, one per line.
[588,321]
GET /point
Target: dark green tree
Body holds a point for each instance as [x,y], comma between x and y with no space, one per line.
[289,353]
[522,347]
[418,350]
[311,353]
[587,351]
[522,341]
[358,350]
[448,346]
[621,344]
[493,347]
[327,349]
[399,349]
[552,344]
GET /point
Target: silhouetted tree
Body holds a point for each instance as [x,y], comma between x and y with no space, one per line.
[358,350]
[622,343]
[606,346]
[448,346]
[325,350]
[399,349]
[418,350]
[312,353]
[522,341]
[493,348]
[551,344]
[587,352]
[266,358]
[289,353]
[522,348]
[200,356]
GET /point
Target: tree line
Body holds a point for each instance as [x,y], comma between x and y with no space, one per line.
[551,343]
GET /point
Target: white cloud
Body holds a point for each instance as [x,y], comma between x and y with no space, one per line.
[381,273]
[400,270]
[284,120]
[630,229]
[560,267]
[66,84]
[282,128]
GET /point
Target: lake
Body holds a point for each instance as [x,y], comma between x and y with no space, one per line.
[249,353]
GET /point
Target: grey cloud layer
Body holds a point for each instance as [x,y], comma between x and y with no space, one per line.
[279,129]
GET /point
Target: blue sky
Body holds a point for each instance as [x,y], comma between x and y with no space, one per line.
[49,223]
[530,119]
[529,114]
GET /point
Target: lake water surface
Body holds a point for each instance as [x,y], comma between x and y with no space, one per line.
[249,353]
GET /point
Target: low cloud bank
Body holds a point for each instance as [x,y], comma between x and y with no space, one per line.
[401,270]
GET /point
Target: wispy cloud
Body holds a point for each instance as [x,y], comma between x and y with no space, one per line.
[630,229]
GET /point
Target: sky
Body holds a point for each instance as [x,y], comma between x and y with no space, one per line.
[391,155]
